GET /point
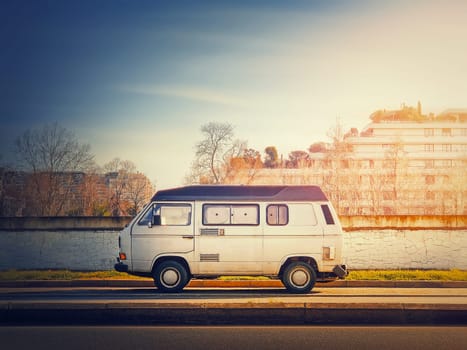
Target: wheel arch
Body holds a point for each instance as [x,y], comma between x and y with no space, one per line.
[178,259]
[306,259]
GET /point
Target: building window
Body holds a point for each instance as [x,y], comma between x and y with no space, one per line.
[429,164]
[447,147]
[446,132]
[389,195]
[277,214]
[430,196]
[429,179]
[429,148]
[447,163]
[429,132]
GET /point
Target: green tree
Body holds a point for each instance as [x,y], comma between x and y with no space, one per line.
[271,159]
[317,147]
[298,159]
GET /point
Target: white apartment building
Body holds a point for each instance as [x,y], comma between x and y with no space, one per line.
[393,167]
[424,162]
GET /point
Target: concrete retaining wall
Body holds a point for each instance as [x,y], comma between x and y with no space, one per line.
[406,249]
[93,245]
[72,250]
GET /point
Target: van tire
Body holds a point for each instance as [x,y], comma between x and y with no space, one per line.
[299,277]
[170,276]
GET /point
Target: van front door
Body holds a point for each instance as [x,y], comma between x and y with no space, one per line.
[164,229]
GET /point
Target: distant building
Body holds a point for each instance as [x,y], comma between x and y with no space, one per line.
[77,193]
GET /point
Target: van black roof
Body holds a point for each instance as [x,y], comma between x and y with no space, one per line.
[237,192]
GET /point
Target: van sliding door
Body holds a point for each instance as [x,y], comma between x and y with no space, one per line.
[229,239]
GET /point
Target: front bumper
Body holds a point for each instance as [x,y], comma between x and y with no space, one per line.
[121,267]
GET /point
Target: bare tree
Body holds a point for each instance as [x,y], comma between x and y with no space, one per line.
[53,156]
[338,157]
[138,192]
[214,152]
[118,176]
[129,189]
[243,169]
[396,175]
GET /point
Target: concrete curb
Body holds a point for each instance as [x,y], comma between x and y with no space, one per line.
[276,313]
[227,284]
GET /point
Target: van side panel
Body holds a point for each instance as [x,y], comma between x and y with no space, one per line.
[301,236]
[332,239]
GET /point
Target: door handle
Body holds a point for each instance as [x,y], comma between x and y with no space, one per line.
[187,237]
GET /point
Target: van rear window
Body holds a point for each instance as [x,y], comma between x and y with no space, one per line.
[327,214]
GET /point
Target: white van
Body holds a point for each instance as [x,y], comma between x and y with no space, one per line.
[286,232]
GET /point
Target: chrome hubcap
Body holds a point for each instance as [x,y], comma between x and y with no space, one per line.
[300,277]
[170,277]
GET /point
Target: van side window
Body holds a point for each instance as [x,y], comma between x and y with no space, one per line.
[277,214]
[327,214]
[169,214]
[226,214]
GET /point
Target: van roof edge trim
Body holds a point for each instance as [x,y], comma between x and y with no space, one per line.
[239,192]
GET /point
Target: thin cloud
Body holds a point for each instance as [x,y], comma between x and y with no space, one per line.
[194,93]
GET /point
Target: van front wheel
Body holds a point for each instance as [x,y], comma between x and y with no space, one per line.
[170,276]
[299,277]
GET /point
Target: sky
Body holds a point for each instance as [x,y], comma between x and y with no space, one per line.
[138,79]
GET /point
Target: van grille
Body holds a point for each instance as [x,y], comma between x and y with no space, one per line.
[209,257]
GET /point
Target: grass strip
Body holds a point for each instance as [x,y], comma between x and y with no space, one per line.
[359,275]
[408,275]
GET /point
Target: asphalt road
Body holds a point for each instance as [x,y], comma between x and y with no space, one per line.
[251,337]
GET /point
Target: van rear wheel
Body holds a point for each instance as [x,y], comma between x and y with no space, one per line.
[170,276]
[299,277]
